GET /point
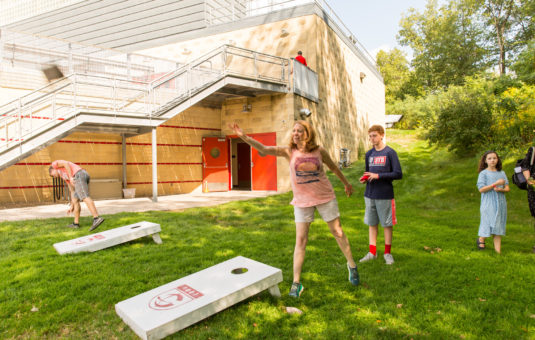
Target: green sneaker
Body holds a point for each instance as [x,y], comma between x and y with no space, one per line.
[296,289]
[353,275]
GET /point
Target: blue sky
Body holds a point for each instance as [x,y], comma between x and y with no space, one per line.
[375,23]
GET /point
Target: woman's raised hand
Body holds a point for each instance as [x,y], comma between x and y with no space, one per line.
[237,130]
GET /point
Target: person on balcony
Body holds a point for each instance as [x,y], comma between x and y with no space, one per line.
[78,181]
[301,59]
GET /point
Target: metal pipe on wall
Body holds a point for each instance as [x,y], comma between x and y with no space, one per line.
[124,159]
[154,167]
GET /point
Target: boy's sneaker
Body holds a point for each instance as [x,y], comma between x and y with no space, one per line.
[96,222]
[353,275]
[389,259]
[368,257]
[296,289]
[73,226]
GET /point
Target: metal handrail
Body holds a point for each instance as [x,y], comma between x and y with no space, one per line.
[152,97]
[34,91]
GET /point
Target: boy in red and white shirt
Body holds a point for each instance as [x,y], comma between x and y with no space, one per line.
[382,167]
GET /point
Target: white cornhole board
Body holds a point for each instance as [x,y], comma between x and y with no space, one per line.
[110,238]
[169,308]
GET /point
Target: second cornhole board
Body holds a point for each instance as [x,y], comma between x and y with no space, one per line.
[110,238]
[167,309]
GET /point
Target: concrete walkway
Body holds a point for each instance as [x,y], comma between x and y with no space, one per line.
[165,203]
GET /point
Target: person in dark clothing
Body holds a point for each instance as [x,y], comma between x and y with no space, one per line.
[300,58]
[528,169]
[382,167]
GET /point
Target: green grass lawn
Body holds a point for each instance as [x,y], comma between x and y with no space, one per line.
[440,286]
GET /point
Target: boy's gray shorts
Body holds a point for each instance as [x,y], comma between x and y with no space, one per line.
[383,211]
[81,185]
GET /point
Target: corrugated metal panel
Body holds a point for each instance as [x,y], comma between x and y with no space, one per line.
[116,23]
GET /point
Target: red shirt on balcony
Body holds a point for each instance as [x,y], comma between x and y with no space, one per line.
[300,58]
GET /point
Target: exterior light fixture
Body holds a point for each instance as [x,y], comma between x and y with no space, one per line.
[304,112]
[284,33]
[362,76]
[185,51]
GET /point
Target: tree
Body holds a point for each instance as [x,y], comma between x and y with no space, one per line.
[500,15]
[447,43]
[394,68]
[510,24]
[524,66]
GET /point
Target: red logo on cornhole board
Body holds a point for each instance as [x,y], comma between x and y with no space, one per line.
[90,239]
[174,297]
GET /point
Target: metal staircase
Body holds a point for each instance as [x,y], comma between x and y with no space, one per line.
[83,102]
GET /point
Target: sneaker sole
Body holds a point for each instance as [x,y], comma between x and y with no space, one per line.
[95,226]
[298,294]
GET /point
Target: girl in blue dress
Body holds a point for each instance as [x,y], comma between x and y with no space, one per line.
[492,184]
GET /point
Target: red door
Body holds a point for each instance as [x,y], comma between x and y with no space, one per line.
[264,169]
[215,170]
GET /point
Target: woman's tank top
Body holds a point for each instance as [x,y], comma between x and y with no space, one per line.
[310,185]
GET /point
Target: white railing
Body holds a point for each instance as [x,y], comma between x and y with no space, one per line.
[49,106]
[238,10]
[214,65]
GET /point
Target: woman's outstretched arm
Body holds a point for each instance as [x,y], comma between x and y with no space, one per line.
[262,149]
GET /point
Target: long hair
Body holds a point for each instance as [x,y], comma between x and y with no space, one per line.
[310,137]
[483,161]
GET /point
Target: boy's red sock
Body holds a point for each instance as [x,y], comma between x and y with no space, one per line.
[387,248]
[373,249]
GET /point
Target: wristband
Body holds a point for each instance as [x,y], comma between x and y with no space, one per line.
[494,185]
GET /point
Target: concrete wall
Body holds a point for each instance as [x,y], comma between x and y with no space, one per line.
[348,105]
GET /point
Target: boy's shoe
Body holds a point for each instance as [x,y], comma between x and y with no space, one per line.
[296,289]
[389,259]
[368,257]
[353,275]
[96,222]
[73,226]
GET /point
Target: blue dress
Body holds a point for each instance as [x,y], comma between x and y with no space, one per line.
[493,205]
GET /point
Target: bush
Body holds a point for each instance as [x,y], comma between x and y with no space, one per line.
[417,112]
[514,117]
[464,117]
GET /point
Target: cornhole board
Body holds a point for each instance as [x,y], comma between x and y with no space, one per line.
[110,238]
[167,309]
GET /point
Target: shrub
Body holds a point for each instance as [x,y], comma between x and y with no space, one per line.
[464,117]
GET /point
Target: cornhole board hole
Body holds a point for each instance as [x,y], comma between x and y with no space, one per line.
[110,238]
[167,309]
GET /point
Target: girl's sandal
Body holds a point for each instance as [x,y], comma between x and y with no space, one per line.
[480,245]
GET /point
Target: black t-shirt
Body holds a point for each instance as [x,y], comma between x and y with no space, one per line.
[386,164]
[525,162]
